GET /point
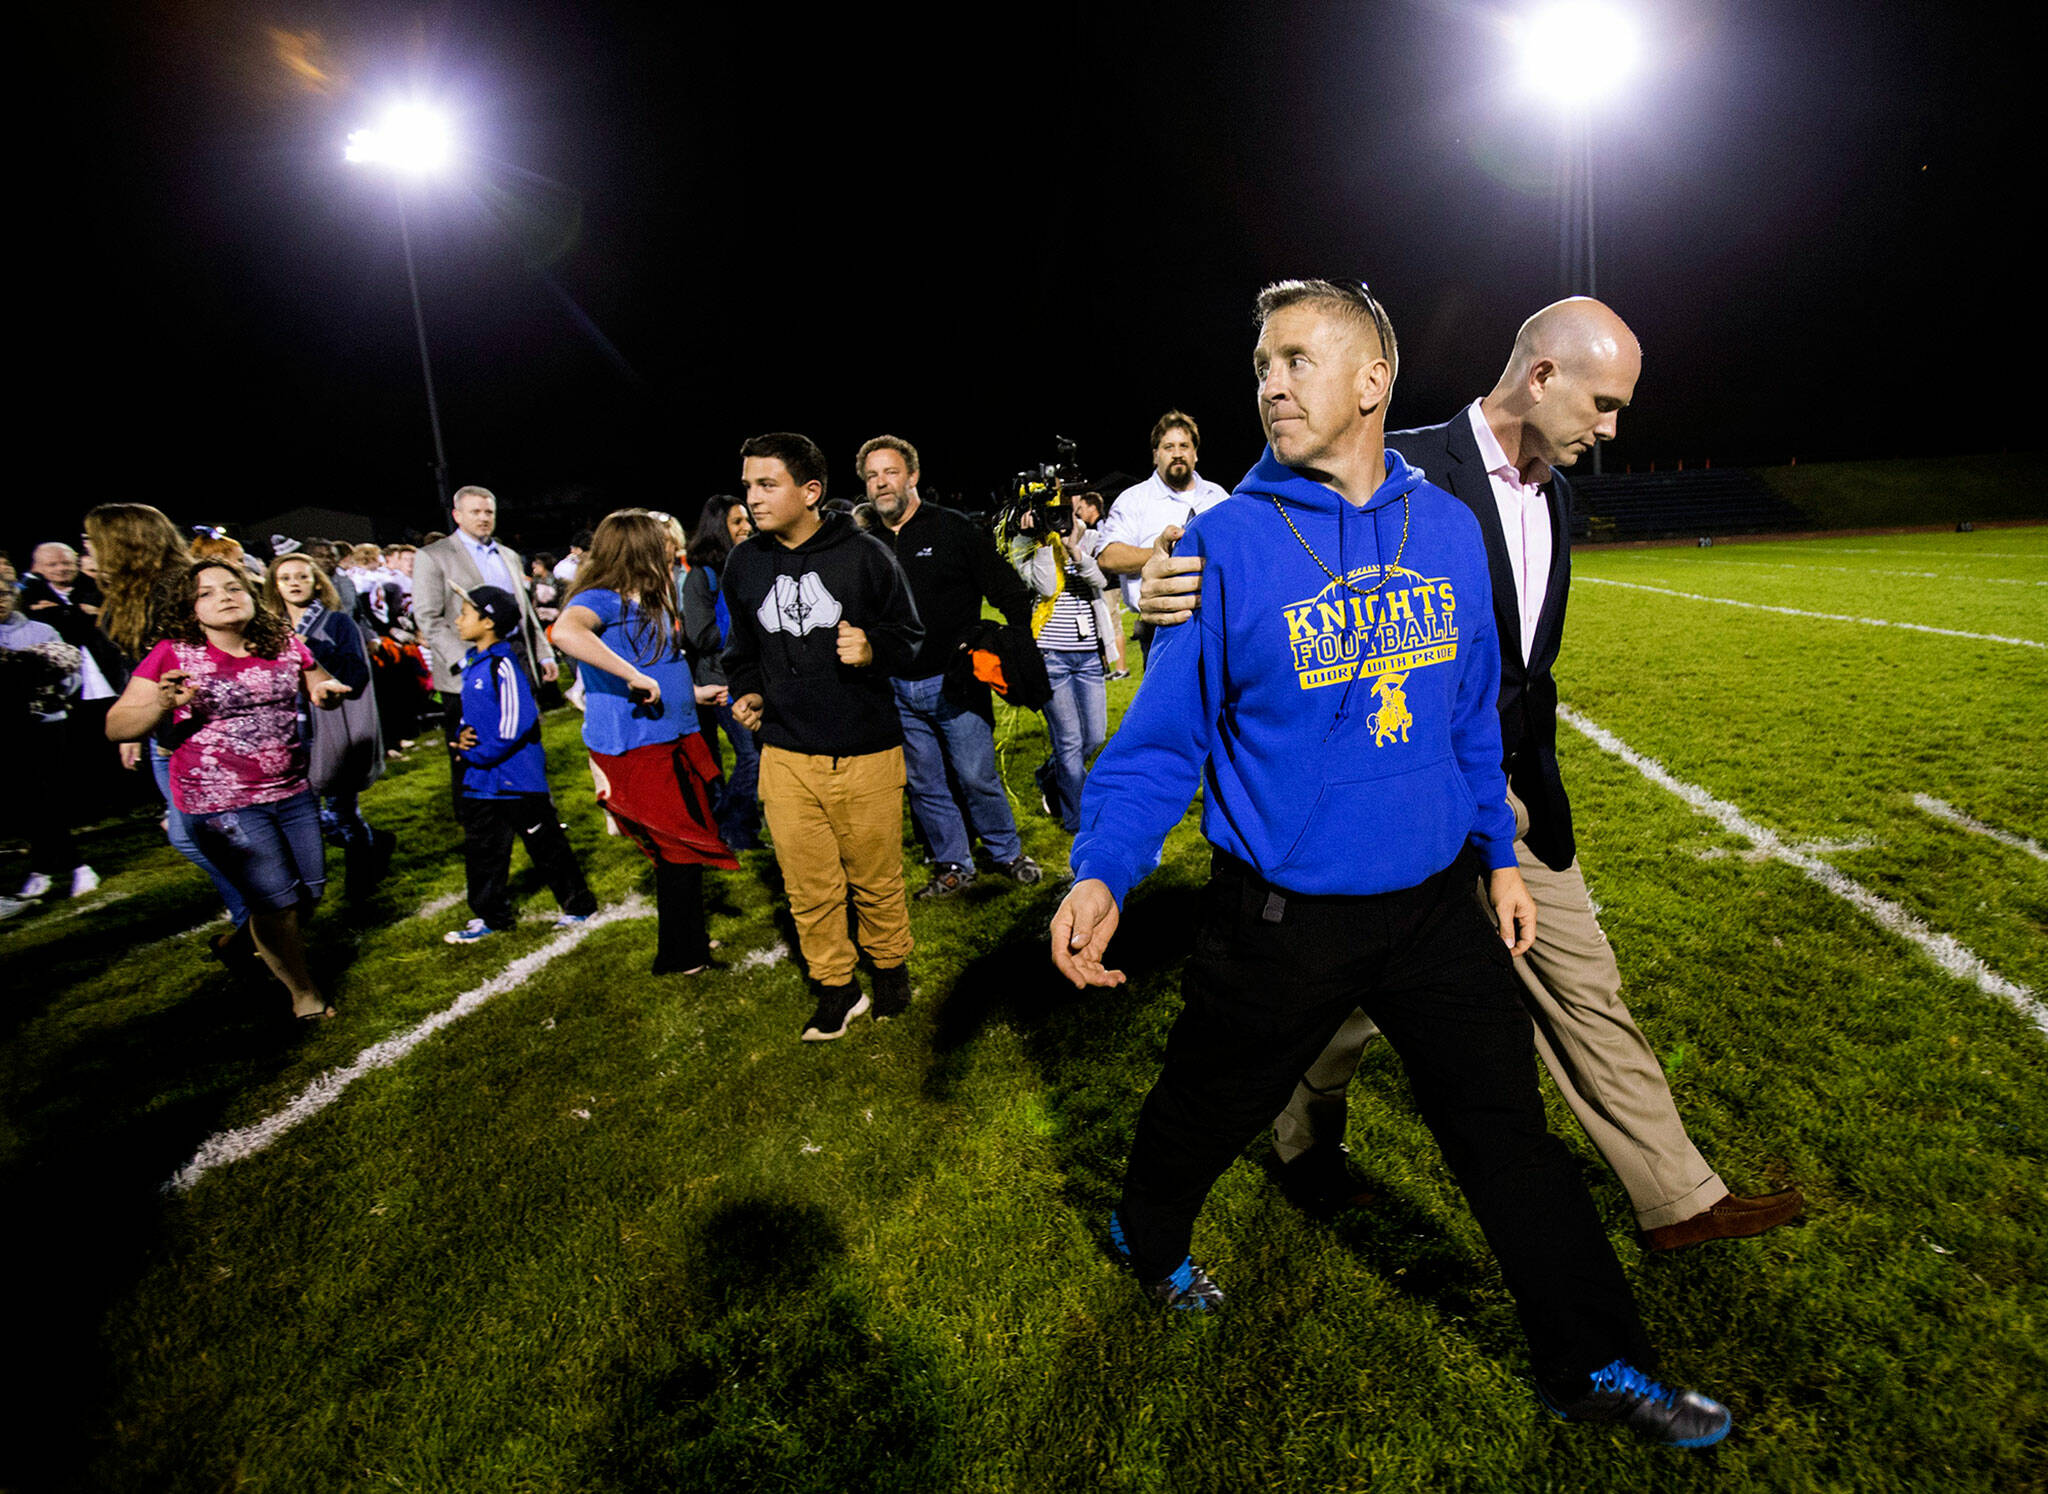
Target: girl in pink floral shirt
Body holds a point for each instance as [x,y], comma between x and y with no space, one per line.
[224,688]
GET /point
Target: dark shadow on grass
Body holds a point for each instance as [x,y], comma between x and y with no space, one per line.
[765,1370]
[84,1196]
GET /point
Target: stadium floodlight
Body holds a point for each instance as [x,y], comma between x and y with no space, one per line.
[1579,50]
[411,138]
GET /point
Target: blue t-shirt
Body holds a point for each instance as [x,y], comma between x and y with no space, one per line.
[612,723]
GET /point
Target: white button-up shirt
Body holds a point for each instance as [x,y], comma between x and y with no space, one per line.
[1524,524]
[1142,513]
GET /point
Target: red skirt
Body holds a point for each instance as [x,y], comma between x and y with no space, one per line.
[660,797]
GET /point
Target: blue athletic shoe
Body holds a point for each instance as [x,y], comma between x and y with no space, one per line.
[1622,1393]
[474,930]
[572,920]
[1187,1289]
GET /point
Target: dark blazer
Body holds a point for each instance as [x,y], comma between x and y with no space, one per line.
[1448,455]
[73,624]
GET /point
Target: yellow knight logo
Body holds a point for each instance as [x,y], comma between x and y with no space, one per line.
[1393,717]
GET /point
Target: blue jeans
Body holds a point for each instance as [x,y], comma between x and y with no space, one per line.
[1077,717]
[272,853]
[938,734]
[739,805]
[180,829]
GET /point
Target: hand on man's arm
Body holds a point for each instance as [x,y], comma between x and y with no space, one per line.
[1172,586]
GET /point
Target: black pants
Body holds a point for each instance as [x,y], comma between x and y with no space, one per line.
[1273,976]
[39,768]
[488,827]
[682,942]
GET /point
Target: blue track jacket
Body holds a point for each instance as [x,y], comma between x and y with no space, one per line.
[497,704]
[1347,738]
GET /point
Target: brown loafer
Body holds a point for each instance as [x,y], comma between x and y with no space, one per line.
[1733,1218]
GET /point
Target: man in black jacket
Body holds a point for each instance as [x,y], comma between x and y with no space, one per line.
[55,591]
[1572,371]
[951,564]
[821,618]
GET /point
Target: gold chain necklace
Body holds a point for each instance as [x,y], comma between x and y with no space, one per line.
[1385,570]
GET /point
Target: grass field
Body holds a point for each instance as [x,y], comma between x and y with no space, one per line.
[606,1232]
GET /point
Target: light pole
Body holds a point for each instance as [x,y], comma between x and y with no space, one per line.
[412,141]
[1576,54]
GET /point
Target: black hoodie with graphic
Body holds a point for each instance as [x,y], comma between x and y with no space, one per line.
[786,607]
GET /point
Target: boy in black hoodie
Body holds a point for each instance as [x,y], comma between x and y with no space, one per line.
[820,619]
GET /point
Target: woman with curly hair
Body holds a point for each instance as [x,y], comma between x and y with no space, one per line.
[144,562]
[655,776]
[223,691]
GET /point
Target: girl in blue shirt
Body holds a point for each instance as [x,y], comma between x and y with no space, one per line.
[655,775]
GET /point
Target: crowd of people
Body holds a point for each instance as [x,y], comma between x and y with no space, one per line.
[1349,657]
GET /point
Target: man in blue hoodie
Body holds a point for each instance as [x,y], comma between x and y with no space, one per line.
[1335,698]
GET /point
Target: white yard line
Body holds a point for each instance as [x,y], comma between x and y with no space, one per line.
[63,910]
[1907,554]
[1847,570]
[1928,804]
[1944,949]
[440,904]
[1875,622]
[224,1147]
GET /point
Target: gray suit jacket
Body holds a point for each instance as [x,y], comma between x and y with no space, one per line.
[436,571]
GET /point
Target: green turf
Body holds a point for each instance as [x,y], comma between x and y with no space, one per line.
[617,1233]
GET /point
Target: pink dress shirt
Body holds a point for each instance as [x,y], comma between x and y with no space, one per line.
[1524,524]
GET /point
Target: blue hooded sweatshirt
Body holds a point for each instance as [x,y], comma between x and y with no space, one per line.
[497,703]
[1347,737]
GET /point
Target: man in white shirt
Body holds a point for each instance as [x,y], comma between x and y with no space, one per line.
[565,568]
[1572,371]
[1157,508]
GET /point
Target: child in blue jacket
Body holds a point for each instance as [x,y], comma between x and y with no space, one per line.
[503,788]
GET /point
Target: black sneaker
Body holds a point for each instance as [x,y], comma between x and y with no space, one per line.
[892,992]
[948,877]
[837,1006]
[1322,1182]
[1187,1288]
[1022,870]
[1622,1393]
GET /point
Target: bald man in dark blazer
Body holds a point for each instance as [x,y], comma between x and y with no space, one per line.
[1573,370]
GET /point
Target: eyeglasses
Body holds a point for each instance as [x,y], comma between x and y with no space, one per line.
[1381,326]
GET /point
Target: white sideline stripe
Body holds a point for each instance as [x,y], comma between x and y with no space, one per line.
[1928,804]
[762,959]
[1875,622]
[63,910]
[1847,570]
[1944,949]
[224,1147]
[440,904]
[1907,554]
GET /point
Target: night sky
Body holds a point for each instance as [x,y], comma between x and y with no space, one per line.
[671,232]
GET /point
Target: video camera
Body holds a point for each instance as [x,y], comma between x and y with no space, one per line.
[1046,493]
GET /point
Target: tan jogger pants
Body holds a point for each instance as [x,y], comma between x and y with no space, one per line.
[837,823]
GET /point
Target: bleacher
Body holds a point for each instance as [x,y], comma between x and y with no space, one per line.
[1677,505]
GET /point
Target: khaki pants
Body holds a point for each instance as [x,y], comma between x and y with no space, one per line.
[1602,1063]
[838,826]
